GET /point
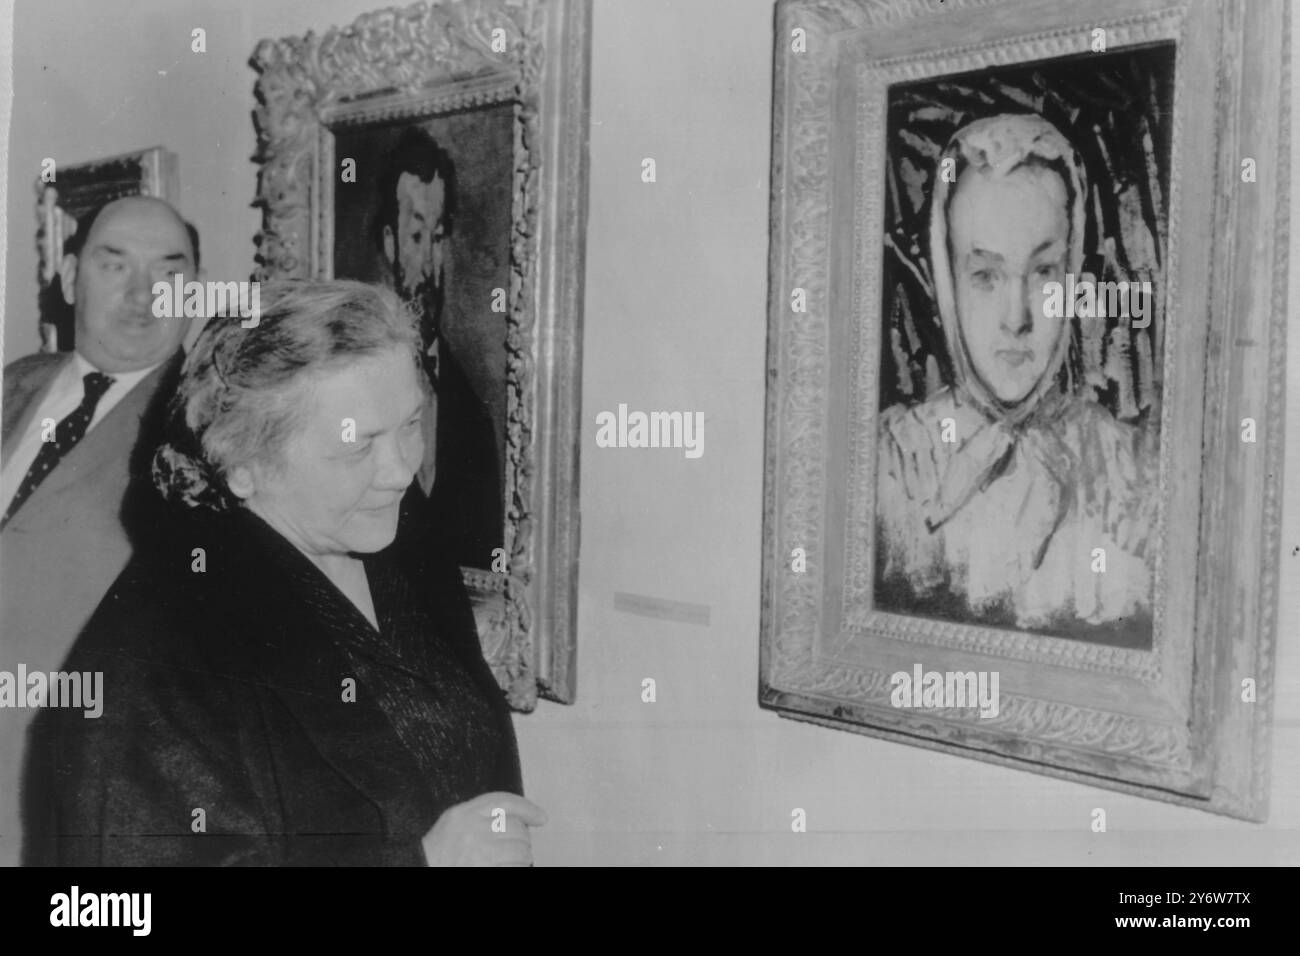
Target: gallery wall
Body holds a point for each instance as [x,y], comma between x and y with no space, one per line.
[675,320]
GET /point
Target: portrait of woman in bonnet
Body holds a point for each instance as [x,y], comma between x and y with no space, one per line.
[1009,496]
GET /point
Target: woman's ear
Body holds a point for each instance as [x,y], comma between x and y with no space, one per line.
[240,481]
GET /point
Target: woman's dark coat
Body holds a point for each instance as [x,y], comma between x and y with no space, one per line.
[228,735]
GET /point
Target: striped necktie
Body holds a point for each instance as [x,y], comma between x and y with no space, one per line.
[66,435]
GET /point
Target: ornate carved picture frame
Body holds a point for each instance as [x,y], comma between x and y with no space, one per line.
[77,189]
[932,530]
[502,85]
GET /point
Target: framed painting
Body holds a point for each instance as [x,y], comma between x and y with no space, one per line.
[441,150]
[1024,423]
[67,193]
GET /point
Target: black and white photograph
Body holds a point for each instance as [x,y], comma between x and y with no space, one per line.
[356,507]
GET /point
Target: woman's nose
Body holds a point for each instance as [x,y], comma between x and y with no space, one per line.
[1018,316]
[397,465]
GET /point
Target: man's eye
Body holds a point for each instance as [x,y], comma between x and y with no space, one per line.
[983,277]
[1045,271]
[412,426]
[112,265]
[416,236]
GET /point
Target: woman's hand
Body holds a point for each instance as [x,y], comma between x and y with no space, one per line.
[490,830]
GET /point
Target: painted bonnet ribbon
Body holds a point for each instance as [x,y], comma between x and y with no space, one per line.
[998,435]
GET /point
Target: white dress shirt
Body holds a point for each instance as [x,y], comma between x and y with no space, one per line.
[61,400]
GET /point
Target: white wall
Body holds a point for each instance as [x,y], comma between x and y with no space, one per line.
[675,319]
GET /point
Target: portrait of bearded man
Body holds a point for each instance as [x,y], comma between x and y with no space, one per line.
[455,501]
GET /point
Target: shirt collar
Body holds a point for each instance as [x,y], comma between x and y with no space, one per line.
[123,380]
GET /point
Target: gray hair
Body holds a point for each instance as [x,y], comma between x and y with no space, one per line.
[239,399]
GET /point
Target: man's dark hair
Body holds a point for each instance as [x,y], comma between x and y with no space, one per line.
[193,231]
[73,245]
[418,154]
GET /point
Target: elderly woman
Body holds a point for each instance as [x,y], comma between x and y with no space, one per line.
[277,690]
[1001,494]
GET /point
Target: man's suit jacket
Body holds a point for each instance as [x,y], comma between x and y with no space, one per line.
[61,550]
[464,518]
[224,691]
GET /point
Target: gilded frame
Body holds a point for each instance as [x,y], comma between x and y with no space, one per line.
[1170,723]
[418,61]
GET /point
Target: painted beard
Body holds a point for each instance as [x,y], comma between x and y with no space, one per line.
[425,299]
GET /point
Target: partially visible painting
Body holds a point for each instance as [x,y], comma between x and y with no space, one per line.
[440,150]
[432,221]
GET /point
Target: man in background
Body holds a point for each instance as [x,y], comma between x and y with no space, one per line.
[455,501]
[79,430]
